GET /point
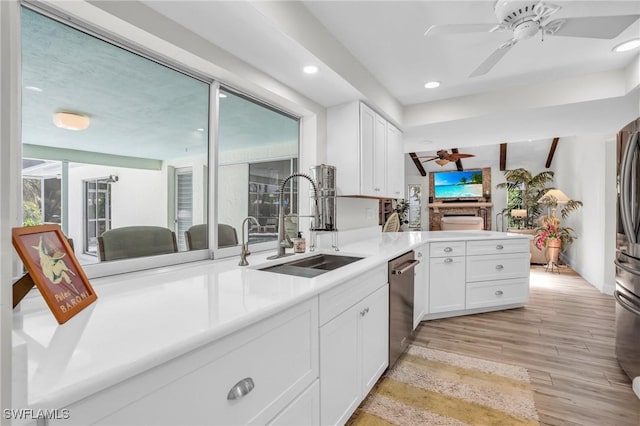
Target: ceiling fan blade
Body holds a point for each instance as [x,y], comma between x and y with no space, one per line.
[430,159]
[455,157]
[493,59]
[603,27]
[445,29]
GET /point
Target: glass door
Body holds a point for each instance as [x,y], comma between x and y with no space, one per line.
[97,217]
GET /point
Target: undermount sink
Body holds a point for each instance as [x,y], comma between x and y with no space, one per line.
[312,266]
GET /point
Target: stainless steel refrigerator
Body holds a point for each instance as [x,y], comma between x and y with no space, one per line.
[627,293]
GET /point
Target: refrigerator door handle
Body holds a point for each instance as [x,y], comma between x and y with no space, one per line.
[626,303]
[626,268]
[625,188]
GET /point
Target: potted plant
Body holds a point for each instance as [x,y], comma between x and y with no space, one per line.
[551,232]
[401,206]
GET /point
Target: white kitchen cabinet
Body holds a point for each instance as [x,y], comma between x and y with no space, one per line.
[395,162]
[497,273]
[354,351]
[447,285]
[366,150]
[269,365]
[421,285]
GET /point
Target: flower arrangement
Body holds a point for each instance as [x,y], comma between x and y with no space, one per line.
[551,230]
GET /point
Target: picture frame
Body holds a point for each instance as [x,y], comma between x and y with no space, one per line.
[49,260]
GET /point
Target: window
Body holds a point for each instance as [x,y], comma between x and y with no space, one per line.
[257,150]
[94,111]
[184,204]
[97,212]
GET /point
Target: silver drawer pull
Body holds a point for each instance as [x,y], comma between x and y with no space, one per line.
[448,260]
[498,292]
[448,249]
[364,312]
[499,247]
[419,254]
[240,389]
[499,267]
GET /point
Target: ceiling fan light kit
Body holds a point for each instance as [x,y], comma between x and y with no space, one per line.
[526,18]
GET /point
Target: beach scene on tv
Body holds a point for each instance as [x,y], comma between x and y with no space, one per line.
[458,184]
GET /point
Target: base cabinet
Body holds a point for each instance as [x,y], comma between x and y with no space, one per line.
[245,378]
[353,356]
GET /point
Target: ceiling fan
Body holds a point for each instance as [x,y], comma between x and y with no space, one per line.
[443,157]
[526,18]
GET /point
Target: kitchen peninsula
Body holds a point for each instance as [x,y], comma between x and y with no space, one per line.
[212,342]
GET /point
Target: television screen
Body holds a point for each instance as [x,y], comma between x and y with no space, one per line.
[456,184]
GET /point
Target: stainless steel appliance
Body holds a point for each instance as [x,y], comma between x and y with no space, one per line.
[401,273]
[627,292]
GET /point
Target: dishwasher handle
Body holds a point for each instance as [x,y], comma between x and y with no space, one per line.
[405,267]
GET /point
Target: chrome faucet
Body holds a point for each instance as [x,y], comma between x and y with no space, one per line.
[244,252]
[284,241]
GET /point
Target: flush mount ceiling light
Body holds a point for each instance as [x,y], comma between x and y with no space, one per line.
[71,120]
[627,45]
[432,84]
[33,89]
[222,95]
[310,69]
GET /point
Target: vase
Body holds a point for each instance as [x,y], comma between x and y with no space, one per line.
[553,250]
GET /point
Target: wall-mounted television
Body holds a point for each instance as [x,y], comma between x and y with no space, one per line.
[460,185]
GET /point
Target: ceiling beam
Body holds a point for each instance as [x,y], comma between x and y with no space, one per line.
[503,157]
[458,161]
[552,151]
[418,164]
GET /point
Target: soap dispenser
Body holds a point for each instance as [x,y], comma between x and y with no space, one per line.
[299,244]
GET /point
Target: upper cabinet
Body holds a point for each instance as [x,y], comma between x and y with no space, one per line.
[366,150]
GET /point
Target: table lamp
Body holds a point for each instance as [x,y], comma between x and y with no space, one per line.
[519,215]
[553,197]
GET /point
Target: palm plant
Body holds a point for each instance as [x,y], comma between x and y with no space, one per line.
[525,190]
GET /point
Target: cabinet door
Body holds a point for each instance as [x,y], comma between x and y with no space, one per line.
[380,157]
[420,286]
[373,312]
[367,150]
[446,284]
[395,163]
[339,368]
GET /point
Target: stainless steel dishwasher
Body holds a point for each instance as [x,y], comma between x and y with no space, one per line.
[401,273]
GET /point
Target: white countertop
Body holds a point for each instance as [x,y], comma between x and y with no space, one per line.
[144,319]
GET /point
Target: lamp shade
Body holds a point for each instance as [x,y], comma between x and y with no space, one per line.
[71,120]
[554,196]
[519,213]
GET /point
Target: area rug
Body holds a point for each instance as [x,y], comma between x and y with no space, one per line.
[431,387]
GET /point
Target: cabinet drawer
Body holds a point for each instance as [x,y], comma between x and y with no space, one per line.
[447,249]
[507,245]
[340,298]
[506,292]
[281,362]
[497,267]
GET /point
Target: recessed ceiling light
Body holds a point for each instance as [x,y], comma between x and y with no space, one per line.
[627,45]
[71,120]
[310,69]
[33,88]
[432,84]
[222,95]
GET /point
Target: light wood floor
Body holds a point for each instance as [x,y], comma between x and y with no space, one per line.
[564,336]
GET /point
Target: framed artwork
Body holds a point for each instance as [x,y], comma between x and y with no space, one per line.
[49,260]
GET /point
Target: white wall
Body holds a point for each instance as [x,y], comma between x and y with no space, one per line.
[356,213]
[584,169]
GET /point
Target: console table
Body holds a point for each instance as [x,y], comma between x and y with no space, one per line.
[439,209]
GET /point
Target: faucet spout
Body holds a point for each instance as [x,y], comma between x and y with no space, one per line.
[284,241]
[244,252]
